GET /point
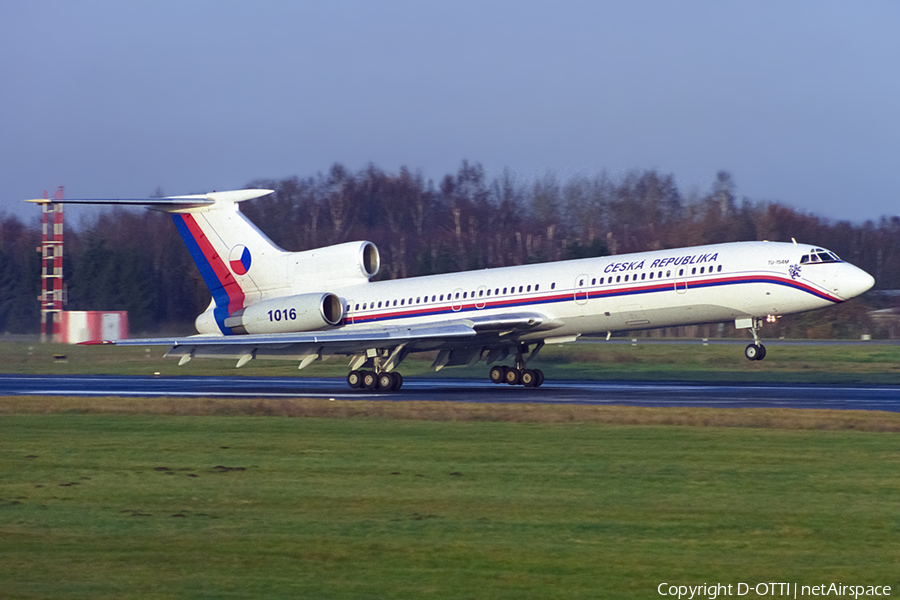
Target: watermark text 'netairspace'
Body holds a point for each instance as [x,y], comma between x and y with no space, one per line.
[770,589]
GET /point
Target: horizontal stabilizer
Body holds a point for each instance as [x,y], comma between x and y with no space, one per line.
[166,203]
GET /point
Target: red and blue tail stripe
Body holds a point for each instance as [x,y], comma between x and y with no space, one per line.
[226,292]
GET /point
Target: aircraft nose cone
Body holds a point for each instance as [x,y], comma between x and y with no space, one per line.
[853,281]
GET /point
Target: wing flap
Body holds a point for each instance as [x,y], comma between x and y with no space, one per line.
[361,337]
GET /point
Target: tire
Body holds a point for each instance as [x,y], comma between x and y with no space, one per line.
[386,382]
[753,352]
[513,376]
[762,352]
[369,380]
[398,381]
[529,379]
[354,380]
[539,381]
[497,374]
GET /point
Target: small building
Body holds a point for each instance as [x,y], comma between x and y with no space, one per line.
[78,326]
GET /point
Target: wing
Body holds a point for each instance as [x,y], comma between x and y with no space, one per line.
[364,342]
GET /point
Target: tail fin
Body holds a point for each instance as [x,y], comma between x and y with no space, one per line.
[237,261]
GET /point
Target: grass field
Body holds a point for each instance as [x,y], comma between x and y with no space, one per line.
[499,505]
[202,498]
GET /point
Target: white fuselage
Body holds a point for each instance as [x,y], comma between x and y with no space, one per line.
[704,284]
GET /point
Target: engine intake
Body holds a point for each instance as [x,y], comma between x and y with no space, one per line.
[291,314]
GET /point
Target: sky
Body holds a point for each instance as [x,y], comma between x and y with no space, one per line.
[799,101]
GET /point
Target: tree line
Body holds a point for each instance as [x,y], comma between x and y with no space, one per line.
[134,260]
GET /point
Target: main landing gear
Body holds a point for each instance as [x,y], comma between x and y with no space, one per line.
[519,375]
[370,380]
[515,376]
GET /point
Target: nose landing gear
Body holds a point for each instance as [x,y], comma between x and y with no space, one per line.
[755,351]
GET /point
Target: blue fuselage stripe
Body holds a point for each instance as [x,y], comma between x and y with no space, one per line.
[570,296]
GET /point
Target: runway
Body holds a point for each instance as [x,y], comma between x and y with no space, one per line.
[674,394]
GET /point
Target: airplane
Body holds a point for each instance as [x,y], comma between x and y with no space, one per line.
[310,305]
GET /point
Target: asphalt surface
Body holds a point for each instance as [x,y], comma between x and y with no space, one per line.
[733,395]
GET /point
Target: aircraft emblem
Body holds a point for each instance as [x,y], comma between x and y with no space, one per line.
[794,271]
[239,259]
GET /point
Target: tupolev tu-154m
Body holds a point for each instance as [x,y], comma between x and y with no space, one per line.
[304,306]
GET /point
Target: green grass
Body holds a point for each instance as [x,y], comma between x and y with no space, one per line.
[203,498]
[689,361]
[154,506]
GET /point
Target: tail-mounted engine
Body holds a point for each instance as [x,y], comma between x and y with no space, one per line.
[351,261]
[291,314]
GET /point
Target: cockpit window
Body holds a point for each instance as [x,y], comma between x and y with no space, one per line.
[819,256]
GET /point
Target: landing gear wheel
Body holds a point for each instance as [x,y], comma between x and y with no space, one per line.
[498,374]
[386,381]
[513,376]
[398,381]
[369,380]
[354,379]
[754,352]
[529,378]
[539,378]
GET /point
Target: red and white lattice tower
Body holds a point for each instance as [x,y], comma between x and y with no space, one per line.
[52,267]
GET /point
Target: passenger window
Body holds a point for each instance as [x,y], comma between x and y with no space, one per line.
[694,271]
[651,274]
[464,294]
[364,305]
[379,304]
[594,281]
[418,300]
[552,286]
[480,293]
[680,272]
[504,290]
[529,289]
[720,269]
[601,280]
[643,276]
[626,278]
[497,292]
[356,307]
[457,295]
[580,283]
[618,278]
[520,289]
[537,286]
[701,270]
[432,298]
